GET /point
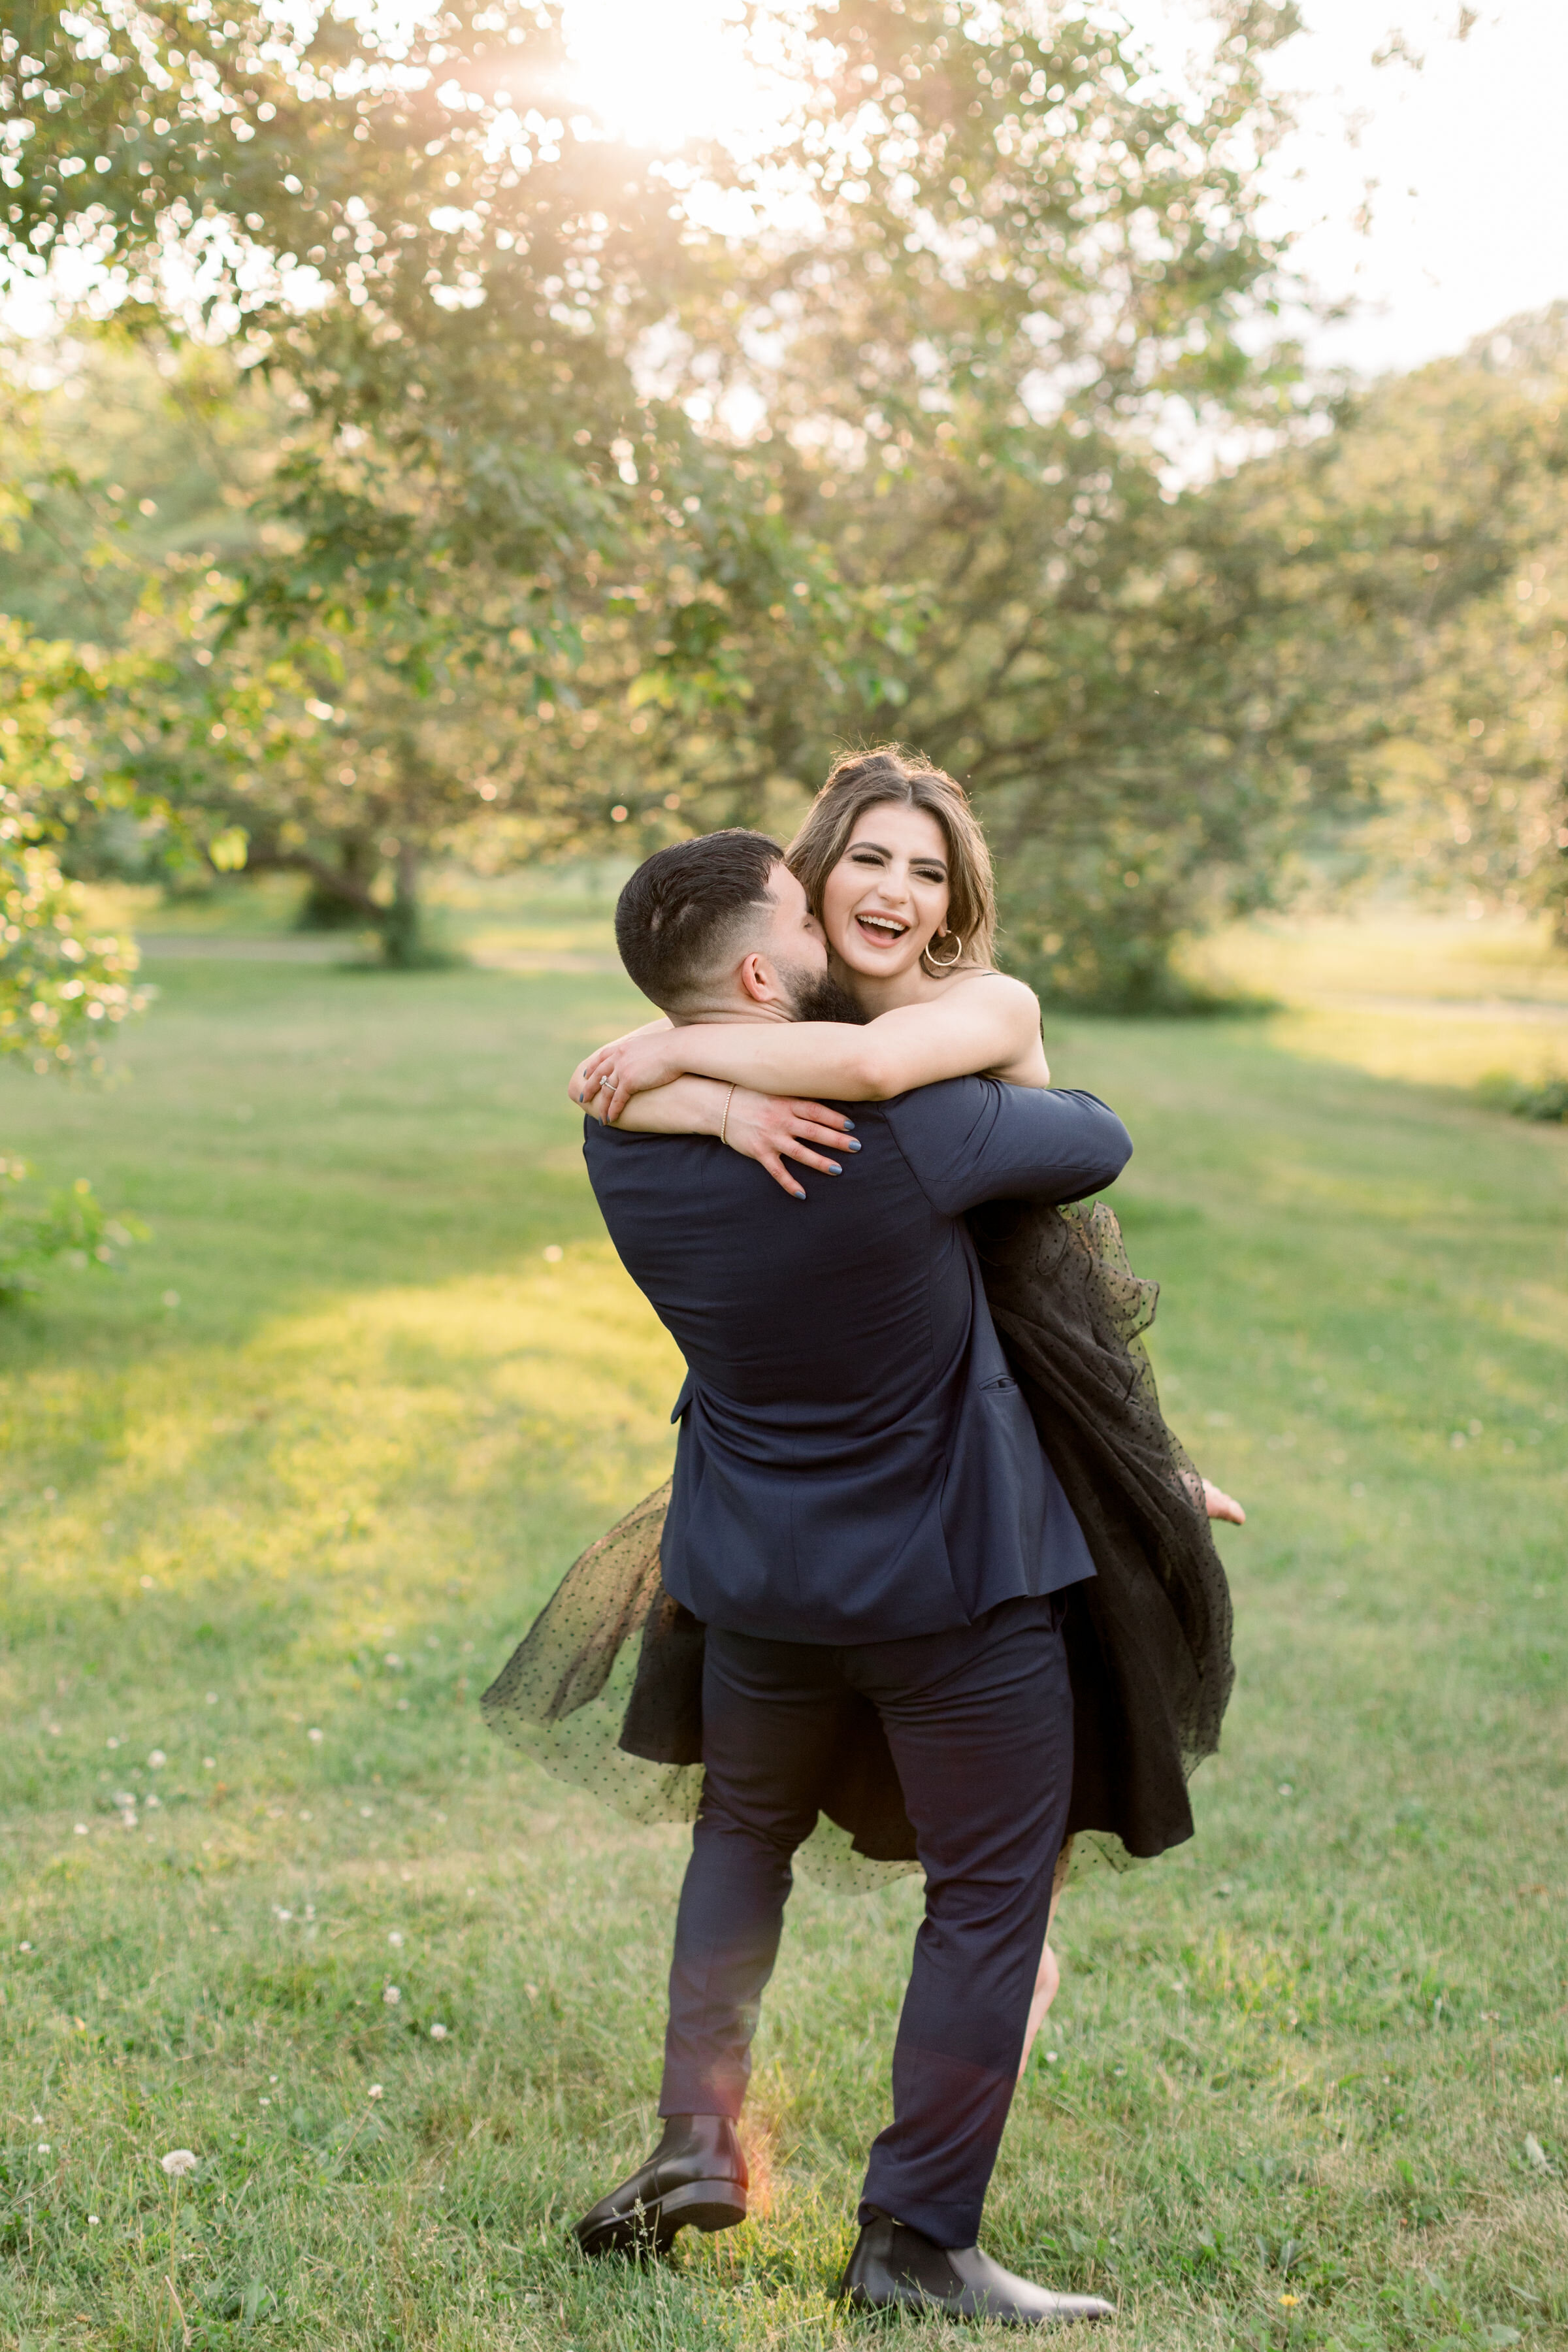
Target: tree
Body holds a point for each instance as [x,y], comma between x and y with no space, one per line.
[1449,488]
[120,461]
[596,512]
[1025,264]
[452,283]
[986,257]
[62,985]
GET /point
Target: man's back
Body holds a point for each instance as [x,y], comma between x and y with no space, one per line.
[853,1450]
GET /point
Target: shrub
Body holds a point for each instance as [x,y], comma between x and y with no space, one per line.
[1546,1099]
[71,1225]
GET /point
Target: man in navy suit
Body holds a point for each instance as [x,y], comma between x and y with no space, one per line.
[862,1511]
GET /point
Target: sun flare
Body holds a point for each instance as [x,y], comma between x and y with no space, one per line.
[661,73]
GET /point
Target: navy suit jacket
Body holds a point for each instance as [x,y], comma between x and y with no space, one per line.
[855,1463]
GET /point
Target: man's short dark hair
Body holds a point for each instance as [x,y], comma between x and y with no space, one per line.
[678,918]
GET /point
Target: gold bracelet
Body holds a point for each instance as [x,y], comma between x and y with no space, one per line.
[724,1122]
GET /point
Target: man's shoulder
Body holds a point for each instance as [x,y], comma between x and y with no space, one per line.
[625,1145]
[623,1156]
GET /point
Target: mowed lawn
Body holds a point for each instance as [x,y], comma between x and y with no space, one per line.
[276,1503]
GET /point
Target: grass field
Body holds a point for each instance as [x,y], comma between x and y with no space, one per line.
[276,1503]
[1404,995]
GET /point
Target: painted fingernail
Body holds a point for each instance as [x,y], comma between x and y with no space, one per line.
[832,1167]
[848,1146]
[850,1125]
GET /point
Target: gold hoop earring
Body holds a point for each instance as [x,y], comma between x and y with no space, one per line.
[938,964]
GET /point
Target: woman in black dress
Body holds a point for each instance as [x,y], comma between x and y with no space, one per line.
[606,1689]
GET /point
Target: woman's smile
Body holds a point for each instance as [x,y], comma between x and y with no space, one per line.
[878,928]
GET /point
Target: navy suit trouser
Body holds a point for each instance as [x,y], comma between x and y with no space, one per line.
[979,1722]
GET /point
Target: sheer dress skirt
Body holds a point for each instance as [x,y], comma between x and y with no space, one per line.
[606,1689]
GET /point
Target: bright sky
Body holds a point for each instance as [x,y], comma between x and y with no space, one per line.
[1464,161]
[1464,164]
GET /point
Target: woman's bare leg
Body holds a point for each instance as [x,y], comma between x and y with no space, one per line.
[1051,1974]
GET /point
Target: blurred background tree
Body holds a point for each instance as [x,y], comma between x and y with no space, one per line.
[1450,488]
[451,286]
[478,487]
[64,986]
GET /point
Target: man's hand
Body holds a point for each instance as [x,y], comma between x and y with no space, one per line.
[1221,1505]
[631,1065]
[772,1128]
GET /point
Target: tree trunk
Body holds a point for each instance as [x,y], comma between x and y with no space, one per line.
[327,907]
[401,940]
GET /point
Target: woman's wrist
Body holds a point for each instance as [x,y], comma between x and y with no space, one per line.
[707,1100]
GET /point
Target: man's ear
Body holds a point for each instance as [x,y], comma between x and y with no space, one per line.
[760,980]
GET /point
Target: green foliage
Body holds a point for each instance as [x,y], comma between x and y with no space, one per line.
[72,1226]
[122,462]
[62,986]
[965,399]
[602,491]
[461,486]
[1543,1098]
[1047,264]
[583,491]
[1434,531]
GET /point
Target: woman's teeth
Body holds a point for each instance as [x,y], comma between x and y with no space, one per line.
[882,929]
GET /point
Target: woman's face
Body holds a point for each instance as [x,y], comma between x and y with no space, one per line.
[886,897]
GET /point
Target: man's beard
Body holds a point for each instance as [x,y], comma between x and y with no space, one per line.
[816,996]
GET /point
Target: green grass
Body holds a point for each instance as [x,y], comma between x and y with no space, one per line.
[1405,993]
[1304,2081]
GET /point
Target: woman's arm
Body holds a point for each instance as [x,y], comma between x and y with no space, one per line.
[993,1027]
[762,1128]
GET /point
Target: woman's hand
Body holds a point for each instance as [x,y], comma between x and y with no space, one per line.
[631,1065]
[772,1128]
[1221,1505]
[768,1128]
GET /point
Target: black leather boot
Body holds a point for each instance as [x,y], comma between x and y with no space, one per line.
[894,2267]
[695,2179]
